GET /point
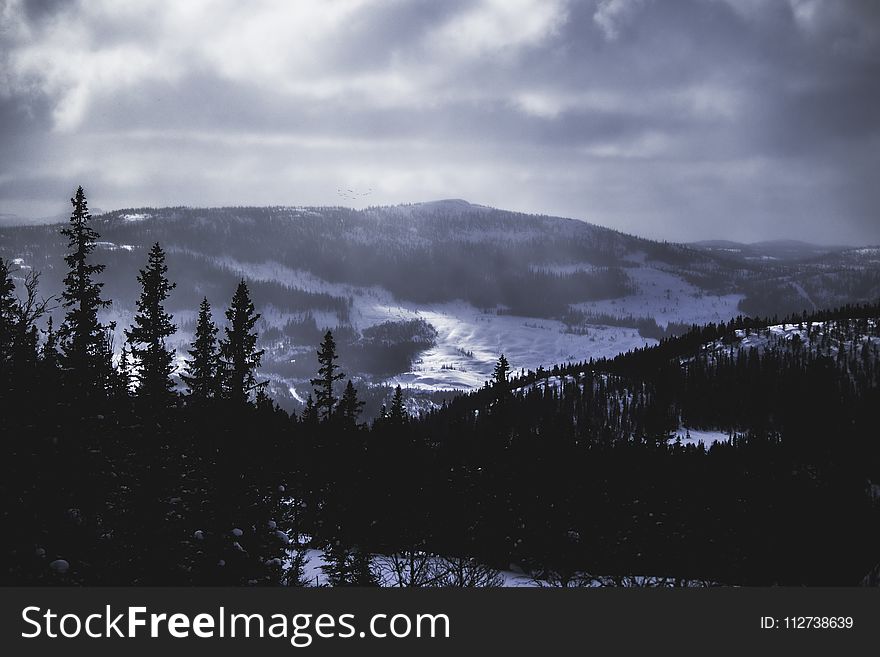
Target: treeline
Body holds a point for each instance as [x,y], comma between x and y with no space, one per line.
[112,475]
[595,479]
[578,320]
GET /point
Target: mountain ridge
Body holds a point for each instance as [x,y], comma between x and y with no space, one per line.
[480,280]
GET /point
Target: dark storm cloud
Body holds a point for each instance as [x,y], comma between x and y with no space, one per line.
[683,119]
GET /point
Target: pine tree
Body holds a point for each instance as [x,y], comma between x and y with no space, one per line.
[49,352]
[347,566]
[202,375]
[18,332]
[499,375]
[82,336]
[398,413]
[152,325]
[310,412]
[262,399]
[8,317]
[238,351]
[325,401]
[350,406]
[124,373]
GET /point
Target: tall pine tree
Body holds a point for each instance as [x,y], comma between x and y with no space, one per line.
[152,325]
[82,336]
[325,400]
[202,375]
[238,351]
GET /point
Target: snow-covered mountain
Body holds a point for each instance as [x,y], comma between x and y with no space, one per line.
[428,295]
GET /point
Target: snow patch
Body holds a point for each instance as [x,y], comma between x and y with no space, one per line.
[706,437]
[135,217]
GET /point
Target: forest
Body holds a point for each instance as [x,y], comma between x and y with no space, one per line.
[120,469]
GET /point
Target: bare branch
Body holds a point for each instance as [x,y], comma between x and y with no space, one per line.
[32,307]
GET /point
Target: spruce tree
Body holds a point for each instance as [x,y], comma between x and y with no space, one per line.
[350,406]
[346,566]
[124,373]
[325,401]
[82,337]
[152,325]
[202,375]
[49,352]
[238,351]
[398,413]
[310,412]
[500,373]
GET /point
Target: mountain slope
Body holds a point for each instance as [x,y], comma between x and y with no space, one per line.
[484,281]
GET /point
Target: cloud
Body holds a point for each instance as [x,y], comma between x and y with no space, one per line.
[610,15]
[683,118]
[500,26]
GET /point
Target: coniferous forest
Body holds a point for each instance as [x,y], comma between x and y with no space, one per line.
[131,464]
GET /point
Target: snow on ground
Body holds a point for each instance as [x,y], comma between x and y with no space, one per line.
[287,276]
[788,333]
[572,268]
[667,298]
[314,576]
[707,437]
[135,217]
[469,341]
[312,572]
[110,246]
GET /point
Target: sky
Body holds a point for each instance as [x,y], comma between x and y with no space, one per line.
[672,119]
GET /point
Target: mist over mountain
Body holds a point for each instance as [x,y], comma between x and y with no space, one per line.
[428,295]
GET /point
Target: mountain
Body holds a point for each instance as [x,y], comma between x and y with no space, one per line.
[428,295]
[587,472]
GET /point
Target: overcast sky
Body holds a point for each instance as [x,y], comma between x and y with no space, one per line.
[677,119]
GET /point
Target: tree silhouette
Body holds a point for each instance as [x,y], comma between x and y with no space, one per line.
[49,352]
[19,337]
[152,325]
[310,412]
[239,355]
[398,413]
[202,369]
[8,317]
[350,406]
[500,373]
[325,401]
[348,566]
[124,373]
[84,341]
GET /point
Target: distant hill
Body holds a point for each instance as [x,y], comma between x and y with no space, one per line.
[449,284]
[788,250]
